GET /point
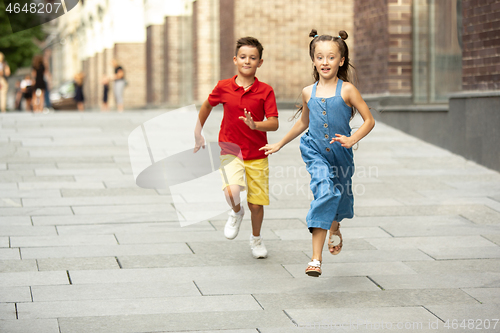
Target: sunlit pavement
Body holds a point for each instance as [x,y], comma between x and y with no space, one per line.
[84,249]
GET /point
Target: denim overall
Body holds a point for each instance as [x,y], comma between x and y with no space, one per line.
[331,166]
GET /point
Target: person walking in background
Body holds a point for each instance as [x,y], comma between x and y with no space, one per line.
[18,96]
[4,86]
[328,106]
[119,84]
[27,90]
[105,85]
[79,98]
[40,86]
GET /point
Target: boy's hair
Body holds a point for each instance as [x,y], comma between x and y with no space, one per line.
[249,41]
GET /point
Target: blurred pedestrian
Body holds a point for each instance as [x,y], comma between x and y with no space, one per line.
[4,86]
[79,98]
[19,95]
[119,84]
[27,90]
[105,85]
[39,86]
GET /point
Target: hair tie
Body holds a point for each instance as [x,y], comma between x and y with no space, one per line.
[315,36]
[339,37]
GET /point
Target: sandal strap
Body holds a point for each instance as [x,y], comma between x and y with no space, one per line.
[315,263]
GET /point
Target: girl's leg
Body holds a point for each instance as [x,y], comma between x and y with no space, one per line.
[232,193]
[42,102]
[318,241]
[257,218]
[335,230]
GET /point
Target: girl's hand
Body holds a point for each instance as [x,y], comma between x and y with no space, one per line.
[271,148]
[199,142]
[345,141]
[248,120]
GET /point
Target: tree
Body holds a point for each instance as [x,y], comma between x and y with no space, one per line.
[18,48]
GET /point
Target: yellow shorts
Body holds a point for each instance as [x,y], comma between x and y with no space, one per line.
[234,171]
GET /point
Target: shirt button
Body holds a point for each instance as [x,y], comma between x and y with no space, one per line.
[324,112]
[326,136]
[328,149]
[323,100]
[326,125]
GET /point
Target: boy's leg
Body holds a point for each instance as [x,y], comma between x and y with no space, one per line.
[257,218]
[232,193]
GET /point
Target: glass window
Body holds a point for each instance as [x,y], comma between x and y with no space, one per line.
[437,49]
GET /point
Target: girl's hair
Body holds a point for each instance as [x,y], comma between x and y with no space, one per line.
[37,61]
[346,71]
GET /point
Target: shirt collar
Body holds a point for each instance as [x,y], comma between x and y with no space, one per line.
[253,88]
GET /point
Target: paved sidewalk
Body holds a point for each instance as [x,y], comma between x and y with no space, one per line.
[83,249]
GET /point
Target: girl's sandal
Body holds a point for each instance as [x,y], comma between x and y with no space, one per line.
[314,268]
[335,240]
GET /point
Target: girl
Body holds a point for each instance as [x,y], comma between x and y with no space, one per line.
[40,85]
[328,106]
[4,86]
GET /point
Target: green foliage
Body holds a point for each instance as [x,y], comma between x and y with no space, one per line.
[19,48]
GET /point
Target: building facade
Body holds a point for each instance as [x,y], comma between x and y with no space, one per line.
[432,69]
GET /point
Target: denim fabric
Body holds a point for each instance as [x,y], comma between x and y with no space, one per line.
[331,166]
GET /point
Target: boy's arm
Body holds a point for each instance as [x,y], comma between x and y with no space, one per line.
[268,125]
[205,110]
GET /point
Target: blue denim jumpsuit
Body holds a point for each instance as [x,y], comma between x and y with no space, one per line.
[331,166]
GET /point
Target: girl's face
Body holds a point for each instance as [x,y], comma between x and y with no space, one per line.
[247,60]
[327,59]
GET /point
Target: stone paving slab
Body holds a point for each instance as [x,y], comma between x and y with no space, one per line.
[9,254]
[95,308]
[438,281]
[194,321]
[33,278]
[161,227]
[181,274]
[364,299]
[272,285]
[479,313]
[62,240]
[425,229]
[15,294]
[100,251]
[109,291]
[64,264]
[7,266]
[7,311]
[355,269]
[34,325]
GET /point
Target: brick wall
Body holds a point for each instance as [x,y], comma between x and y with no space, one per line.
[481,45]
[154,64]
[132,57]
[227,39]
[371,51]
[173,59]
[383,49]
[283,26]
[206,56]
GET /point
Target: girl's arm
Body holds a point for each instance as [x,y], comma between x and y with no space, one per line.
[354,98]
[300,126]
[205,110]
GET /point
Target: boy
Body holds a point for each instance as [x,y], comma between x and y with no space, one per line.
[247,102]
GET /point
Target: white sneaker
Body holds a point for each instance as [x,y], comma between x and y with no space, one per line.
[258,248]
[233,223]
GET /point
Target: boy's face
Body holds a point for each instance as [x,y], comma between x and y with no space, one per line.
[247,60]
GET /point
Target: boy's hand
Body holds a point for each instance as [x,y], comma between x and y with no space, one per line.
[248,120]
[345,141]
[271,148]
[199,142]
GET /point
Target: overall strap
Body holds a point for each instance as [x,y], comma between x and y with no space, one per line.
[313,93]
[339,87]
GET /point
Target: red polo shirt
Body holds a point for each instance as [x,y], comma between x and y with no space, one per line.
[259,100]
